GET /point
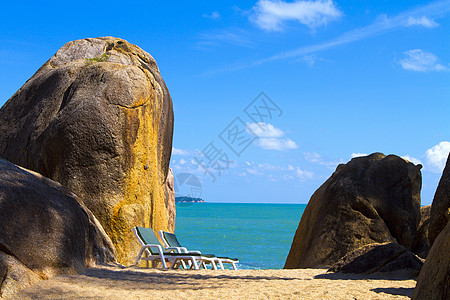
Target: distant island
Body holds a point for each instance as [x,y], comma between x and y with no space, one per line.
[188,199]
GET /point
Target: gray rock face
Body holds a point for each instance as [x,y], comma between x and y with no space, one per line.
[44,230]
[372,199]
[440,205]
[98,118]
[433,282]
[372,258]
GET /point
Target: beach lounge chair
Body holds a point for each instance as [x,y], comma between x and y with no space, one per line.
[171,243]
[155,252]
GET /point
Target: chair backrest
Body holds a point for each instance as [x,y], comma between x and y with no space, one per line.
[147,236]
[171,239]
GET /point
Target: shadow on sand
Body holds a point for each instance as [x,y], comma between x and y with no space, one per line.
[395,276]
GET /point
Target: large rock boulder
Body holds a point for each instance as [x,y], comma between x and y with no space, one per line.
[433,282]
[44,230]
[372,199]
[440,205]
[98,118]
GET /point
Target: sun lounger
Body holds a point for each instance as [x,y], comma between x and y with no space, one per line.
[155,252]
[171,243]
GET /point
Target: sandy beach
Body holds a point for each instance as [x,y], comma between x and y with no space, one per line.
[109,282]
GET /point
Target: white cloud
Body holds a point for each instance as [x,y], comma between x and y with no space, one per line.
[302,174]
[179,152]
[264,130]
[414,160]
[276,144]
[421,61]
[313,157]
[276,173]
[316,158]
[288,177]
[353,155]
[268,167]
[423,21]
[436,156]
[269,137]
[261,169]
[214,15]
[271,14]
[310,60]
[185,165]
[254,172]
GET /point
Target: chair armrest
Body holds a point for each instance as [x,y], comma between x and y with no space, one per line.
[175,249]
[181,250]
[158,247]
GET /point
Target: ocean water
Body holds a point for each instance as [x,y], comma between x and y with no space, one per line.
[259,235]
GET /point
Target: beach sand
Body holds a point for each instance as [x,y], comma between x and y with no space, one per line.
[110,282]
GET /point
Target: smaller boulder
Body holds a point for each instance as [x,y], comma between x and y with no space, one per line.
[44,230]
[371,199]
[407,262]
[379,257]
[14,275]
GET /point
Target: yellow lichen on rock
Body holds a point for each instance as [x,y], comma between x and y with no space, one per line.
[144,195]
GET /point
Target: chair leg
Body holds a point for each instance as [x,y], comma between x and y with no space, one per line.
[220,264]
[213,264]
[194,262]
[138,258]
[174,263]
[183,264]
[163,263]
[177,264]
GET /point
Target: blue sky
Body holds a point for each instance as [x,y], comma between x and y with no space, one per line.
[339,79]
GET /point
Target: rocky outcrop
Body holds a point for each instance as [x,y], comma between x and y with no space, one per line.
[44,230]
[421,244]
[433,282]
[98,118]
[372,258]
[372,199]
[440,205]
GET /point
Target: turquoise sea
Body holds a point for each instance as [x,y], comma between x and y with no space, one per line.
[259,235]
